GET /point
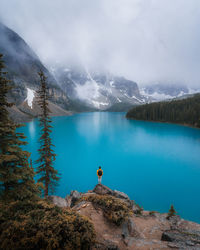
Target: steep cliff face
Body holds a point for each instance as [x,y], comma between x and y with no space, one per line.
[100,90]
[23,65]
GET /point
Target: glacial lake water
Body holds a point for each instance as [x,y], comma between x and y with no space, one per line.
[155,164]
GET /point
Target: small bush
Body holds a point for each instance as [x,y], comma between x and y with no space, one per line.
[152,213]
[114,209]
[171,212]
[43,226]
[138,210]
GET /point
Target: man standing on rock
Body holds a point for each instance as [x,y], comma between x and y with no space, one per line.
[99,174]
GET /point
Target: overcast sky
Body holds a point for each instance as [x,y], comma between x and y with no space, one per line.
[144,40]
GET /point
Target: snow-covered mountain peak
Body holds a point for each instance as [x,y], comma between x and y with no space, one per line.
[166,91]
[98,90]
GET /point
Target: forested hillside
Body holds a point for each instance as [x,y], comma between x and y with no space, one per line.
[186,111]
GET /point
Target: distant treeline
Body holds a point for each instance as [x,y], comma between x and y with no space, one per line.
[185,111]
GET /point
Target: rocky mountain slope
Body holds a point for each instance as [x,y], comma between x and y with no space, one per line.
[23,65]
[97,90]
[165,91]
[121,224]
[74,88]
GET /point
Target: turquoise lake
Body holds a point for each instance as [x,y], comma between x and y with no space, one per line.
[155,164]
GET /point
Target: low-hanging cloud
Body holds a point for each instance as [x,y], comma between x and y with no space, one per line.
[144,40]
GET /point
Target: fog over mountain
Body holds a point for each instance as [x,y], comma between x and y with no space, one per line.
[143,40]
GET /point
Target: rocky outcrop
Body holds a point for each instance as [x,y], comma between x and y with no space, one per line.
[182,239]
[104,190]
[141,230]
[60,202]
[73,198]
[101,189]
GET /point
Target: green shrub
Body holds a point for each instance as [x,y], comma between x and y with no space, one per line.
[152,213]
[139,210]
[171,212]
[43,226]
[114,209]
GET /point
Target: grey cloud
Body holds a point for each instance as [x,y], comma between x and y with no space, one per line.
[144,40]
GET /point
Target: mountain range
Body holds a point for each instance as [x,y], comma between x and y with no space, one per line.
[72,88]
[23,65]
[166,90]
[100,90]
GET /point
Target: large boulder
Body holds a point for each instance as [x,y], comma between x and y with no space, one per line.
[123,196]
[73,198]
[129,232]
[101,189]
[185,239]
[104,190]
[120,195]
[174,221]
[136,208]
[57,200]
[106,245]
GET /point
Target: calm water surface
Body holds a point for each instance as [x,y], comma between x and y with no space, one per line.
[155,164]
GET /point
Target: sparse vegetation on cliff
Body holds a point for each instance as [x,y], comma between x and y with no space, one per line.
[114,209]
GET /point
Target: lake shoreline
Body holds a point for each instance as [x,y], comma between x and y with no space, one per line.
[29,118]
[75,113]
[162,122]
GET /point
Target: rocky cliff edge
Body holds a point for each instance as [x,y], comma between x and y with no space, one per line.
[122,224]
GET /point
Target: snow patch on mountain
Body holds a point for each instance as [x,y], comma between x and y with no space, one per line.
[100,104]
[155,96]
[139,100]
[193,91]
[30,97]
[118,100]
[111,83]
[159,94]
[97,89]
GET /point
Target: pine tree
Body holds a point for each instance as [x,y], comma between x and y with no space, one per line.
[16,176]
[48,175]
[171,212]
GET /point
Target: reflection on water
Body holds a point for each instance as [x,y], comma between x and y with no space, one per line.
[155,164]
[31,128]
[89,128]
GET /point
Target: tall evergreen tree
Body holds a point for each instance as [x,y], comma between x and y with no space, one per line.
[48,175]
[16,176]
[184,111]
